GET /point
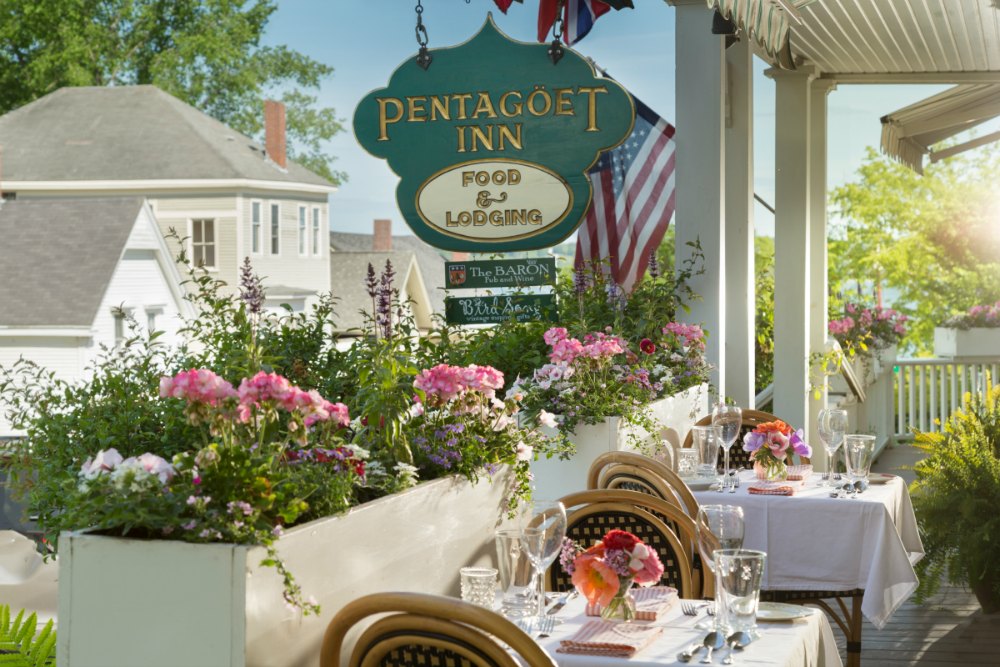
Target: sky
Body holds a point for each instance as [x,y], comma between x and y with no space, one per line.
[365,40]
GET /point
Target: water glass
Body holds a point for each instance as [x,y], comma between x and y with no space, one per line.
[729,418]
[859,449]
[738,576]
[707,440]
[687,462]
[832,426]
[479,585]
[717,527]
[516,549]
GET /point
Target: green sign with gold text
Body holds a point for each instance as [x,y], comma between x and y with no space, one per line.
[492,142]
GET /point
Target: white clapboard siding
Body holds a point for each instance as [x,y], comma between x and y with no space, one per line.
[66,356]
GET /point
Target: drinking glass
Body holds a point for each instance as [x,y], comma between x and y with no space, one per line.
[729,418]
[479,585]
[718,527]
[707,440]
[832,427]
[859,450]
[516,551]
[738,575]
[687,462]
[549,517]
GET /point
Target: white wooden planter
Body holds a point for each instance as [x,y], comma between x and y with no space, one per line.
[956,343]
[159,603]
[554,478]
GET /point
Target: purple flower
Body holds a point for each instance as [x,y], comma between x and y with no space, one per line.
[798,444]
[251,290]
[654,266]
[753,441]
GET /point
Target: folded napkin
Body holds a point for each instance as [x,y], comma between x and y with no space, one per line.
[771,489]
[650,603]
[619,640]
[799,472]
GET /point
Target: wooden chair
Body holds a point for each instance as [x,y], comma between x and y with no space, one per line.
[428,630]
[751,420]
[591,514]
[635,472]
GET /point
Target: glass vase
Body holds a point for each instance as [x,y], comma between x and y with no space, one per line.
[622,605]
[774,471]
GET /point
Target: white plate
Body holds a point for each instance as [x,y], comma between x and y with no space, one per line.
[880,477]
[699,483]
[779,611]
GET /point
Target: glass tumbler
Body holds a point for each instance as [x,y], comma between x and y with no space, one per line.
[738,576]
[516,549]
[707,440]
[687,462]
[479,585]
[859,451]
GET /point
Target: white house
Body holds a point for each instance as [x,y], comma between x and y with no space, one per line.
[227,195]
[70,271]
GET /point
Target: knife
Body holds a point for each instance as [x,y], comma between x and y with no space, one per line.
[563,599]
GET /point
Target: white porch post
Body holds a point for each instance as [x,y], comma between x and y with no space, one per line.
[739,240]
[818,276]
[791,246]
[700,180]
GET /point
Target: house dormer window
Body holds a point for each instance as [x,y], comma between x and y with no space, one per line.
[203,242]
[315,232]
[303,233]
[256,227]
[275,228]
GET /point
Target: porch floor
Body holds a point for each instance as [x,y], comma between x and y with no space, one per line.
[950,629]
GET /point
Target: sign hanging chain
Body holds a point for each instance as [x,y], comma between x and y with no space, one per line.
[424,57]
[555,48]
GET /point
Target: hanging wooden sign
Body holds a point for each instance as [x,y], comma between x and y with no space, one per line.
[501,308]
[496,273]
[492,141]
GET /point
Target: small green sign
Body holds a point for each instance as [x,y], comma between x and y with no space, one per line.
[502,308]
[492,142]
[500,273]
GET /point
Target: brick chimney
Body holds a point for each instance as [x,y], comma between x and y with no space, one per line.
[274,132]
[382,241]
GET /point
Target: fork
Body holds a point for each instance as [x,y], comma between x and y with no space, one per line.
[691,608]
[544,626]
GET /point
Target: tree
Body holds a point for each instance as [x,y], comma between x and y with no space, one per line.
[205,52]
[934,239]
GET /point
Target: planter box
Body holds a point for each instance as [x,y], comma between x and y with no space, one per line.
[159,603]
[955,343]
[555,478]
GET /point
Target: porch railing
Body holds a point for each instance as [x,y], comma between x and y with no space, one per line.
[928,391]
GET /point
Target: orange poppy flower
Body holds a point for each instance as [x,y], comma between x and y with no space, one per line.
[594,578]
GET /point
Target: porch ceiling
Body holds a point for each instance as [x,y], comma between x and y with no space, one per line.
[918,40]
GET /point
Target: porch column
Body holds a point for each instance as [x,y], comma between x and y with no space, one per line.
[700,175]
[791,245]
[739,240]
[818,273]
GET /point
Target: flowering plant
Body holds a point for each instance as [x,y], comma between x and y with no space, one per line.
[978,316]
[459,425]
[863,327]
[769,444]
[274,455]
[605,572]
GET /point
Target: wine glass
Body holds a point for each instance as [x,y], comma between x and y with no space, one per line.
[730,419]
[831,427]
[548,516]
[718,527]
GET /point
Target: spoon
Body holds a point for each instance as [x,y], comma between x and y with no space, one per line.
[737,642]
[712,641]
[734,481]
[688,653]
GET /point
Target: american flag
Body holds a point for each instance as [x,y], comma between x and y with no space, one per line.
[633,200]
[578,17]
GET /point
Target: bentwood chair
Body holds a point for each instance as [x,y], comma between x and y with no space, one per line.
[634,472]
[591,514]
[751,420]
[428,630]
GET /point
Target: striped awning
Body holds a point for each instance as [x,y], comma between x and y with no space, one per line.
[911,132]
[767,22]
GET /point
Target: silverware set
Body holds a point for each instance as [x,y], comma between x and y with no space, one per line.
[849,490]
[714,641]
[730,483]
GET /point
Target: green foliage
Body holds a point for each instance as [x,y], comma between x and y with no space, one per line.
[764,312]
[933,238]
[21,644]
[205,52]
[956,494]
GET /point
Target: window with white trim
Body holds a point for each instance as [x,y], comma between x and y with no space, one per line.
[315,232]
[256,226]
[302,231]
[203,242]
[152,314]
[275,228]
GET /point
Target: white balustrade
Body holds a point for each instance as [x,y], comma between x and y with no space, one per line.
[928,391]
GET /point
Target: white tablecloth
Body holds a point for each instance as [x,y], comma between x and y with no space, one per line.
[815,542]
[806,642]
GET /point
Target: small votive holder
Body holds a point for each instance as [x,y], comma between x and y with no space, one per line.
[479,585]
[687,462]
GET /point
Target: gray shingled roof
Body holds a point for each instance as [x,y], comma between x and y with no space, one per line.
[57,257]
[431,262]
[129,133]
[348,271]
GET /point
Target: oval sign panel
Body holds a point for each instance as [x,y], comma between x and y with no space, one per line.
[503,200]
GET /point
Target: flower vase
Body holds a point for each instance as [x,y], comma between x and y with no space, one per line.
[775,471]
[622,605]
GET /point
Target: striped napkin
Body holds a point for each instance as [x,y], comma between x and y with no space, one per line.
[771,489]
[799,473]
[618,640]
[650,603]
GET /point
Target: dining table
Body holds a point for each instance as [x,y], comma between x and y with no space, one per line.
[806,641]
[818,540]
